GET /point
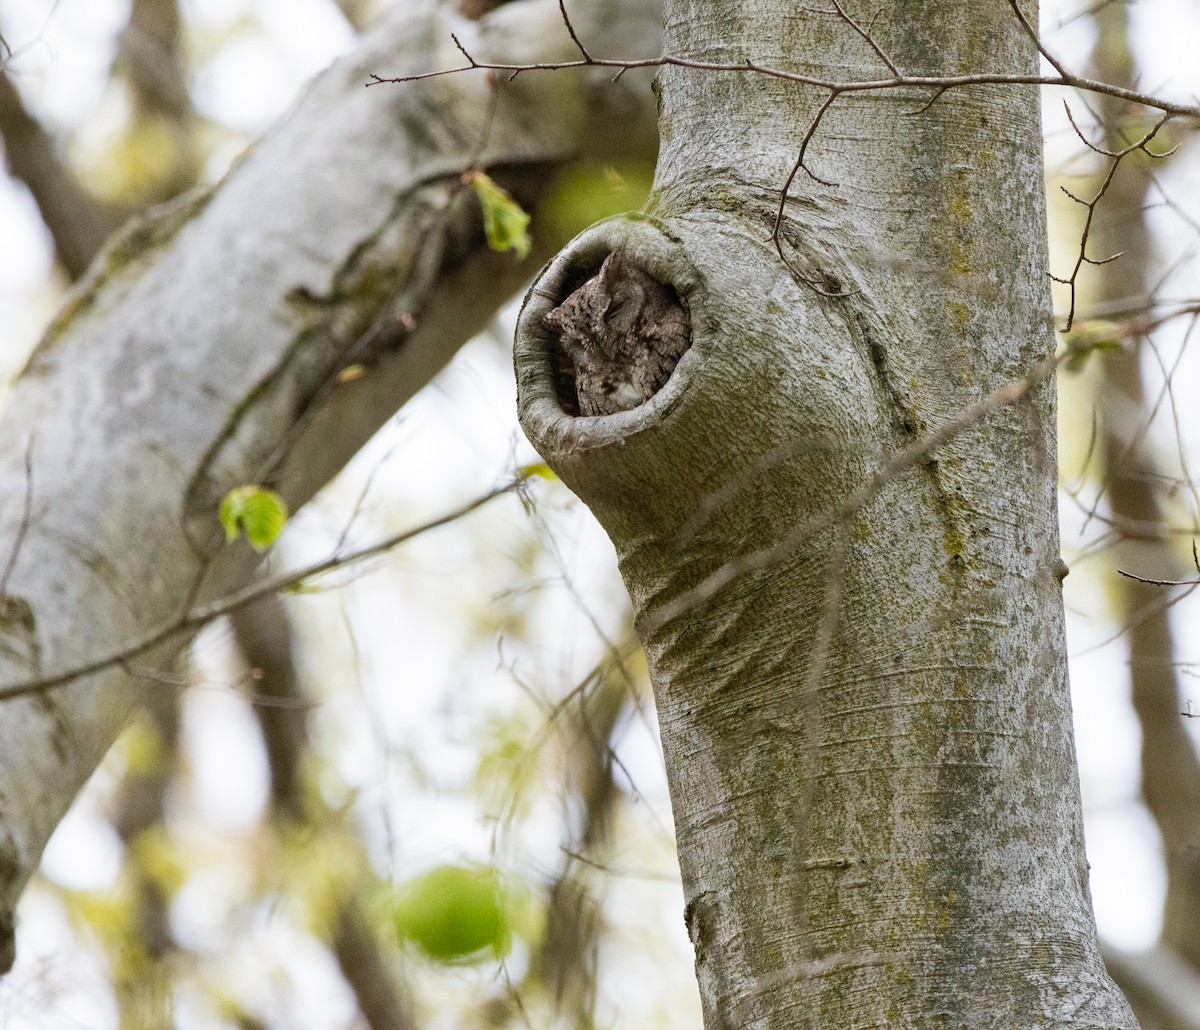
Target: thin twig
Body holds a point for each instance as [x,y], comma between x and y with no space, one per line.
[940,83]
[1114,157]
[880,52]
[571,29]
[776,231]
[198,617]
[1159,582]
[1037,40]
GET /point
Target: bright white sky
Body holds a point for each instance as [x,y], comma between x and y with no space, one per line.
[65,48]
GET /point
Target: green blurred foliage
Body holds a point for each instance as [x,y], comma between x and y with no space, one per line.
[588,192]
[455,913]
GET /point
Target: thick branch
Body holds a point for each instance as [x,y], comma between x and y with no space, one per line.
[203,351]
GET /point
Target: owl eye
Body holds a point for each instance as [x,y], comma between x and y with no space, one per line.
[615,307]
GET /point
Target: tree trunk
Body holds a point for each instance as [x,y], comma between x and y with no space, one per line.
[203,351]
[858,661]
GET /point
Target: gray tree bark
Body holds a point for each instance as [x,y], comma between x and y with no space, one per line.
[859,662]
[202,352]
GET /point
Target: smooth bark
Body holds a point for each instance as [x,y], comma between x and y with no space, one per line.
[866,721]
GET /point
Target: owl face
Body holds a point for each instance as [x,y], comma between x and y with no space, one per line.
[621,333]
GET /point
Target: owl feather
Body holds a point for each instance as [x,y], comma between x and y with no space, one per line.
[620,336]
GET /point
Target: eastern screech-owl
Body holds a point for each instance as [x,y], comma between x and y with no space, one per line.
[623,332]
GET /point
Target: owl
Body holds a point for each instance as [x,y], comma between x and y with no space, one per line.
[620,336]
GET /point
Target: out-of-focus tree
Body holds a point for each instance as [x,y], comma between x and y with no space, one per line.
[1145,506]
[159,150]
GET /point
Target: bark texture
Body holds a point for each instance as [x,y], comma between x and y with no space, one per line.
[203,348]
[863,706]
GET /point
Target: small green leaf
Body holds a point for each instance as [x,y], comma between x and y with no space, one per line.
[453,912]
[255,511]
[504,222]
[1088,337]
[539,469]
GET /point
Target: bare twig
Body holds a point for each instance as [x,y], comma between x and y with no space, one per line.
[195,618]
[808,136]
[939,83]
[866,35]
[1138,437]
[571,29]
[1158,582]
[1032,33]
[777,229]
[1115,158]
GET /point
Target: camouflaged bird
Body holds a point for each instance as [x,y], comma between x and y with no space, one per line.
[622,333]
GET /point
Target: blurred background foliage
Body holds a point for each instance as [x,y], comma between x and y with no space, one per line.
[249,854]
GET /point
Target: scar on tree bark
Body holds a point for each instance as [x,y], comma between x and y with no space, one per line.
[620,335]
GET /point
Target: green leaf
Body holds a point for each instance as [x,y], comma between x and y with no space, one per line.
[1088,337]
[255,511]
[539,469]
[504,222]
[454,912]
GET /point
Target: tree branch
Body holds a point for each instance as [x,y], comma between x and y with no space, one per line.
[78,223]
[202,337]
